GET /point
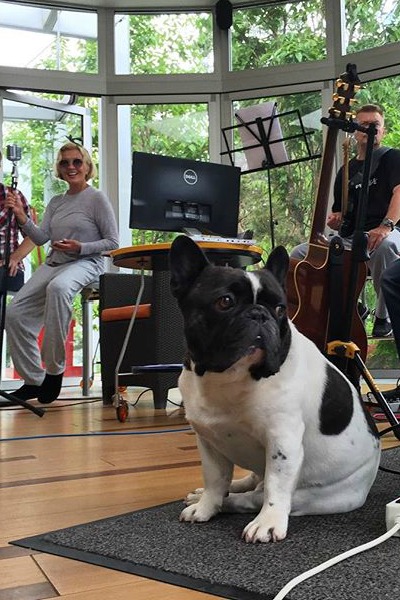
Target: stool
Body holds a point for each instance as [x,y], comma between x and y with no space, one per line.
[88,295]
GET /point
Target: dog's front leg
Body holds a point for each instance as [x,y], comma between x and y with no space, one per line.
[284,458]
[217,475]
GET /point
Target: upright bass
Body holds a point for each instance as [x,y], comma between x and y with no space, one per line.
[310,289]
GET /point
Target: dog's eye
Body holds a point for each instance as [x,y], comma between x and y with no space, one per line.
[224,302]
[280,310]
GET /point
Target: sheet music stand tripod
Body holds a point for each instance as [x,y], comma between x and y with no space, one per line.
[267,136]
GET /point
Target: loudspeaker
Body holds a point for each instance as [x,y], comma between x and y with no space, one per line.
[223,14]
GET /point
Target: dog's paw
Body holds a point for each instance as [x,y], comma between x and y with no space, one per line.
[264,529]
[194,496]
[198,513]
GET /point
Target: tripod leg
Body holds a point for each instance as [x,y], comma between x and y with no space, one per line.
[38,411]
[350,350]
[379,397]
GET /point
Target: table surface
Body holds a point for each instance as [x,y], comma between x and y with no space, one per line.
[149,256]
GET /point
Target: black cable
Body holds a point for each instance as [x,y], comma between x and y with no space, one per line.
[389,470]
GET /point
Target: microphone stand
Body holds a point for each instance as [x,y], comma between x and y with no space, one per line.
[344,349]
[3,297]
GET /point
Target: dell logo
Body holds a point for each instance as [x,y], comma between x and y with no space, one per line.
[190,176]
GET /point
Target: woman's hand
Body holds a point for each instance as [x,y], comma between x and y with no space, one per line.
[67,246]
[13,201]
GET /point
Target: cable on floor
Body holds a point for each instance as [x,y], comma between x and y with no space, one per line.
[333,561]
[92,434]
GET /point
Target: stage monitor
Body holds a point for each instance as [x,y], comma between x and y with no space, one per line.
[182,195]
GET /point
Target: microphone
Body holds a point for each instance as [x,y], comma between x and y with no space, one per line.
[14,155]
[13,152]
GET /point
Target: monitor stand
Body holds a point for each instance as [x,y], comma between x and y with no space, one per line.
[191,231]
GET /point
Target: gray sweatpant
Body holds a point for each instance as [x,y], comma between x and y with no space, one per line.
[387,252]
[46,300]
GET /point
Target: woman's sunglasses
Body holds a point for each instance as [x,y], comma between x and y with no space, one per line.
[76,162]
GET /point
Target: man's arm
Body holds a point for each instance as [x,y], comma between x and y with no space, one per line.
[25,247]
[376,235]
[393,211]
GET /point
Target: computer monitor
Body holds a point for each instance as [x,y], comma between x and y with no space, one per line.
[183,195]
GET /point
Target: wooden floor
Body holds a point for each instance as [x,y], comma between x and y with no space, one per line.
[76,464]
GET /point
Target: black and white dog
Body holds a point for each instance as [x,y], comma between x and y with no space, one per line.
[260,395]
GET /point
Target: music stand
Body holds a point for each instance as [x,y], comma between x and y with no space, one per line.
[264,145]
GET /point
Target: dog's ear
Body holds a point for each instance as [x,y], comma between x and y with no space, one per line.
[186,262]
[278,264]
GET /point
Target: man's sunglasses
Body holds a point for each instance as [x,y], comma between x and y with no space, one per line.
[76,162]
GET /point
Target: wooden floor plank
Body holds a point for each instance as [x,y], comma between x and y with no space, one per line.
[22,571]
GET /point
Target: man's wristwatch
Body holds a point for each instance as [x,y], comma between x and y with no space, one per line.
[387,223]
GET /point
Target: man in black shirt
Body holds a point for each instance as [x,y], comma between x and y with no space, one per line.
[383,208]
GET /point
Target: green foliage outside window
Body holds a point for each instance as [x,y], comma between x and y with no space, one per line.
[371,23]
[170,43]
[278,34]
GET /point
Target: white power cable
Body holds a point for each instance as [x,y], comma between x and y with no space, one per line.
[332,561]
[128,335]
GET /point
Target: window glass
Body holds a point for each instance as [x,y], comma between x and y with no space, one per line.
[278,34]
[371,23]
[177,130]
[386,93]
[48,38]
[39,132]
[164,44]
[171,129]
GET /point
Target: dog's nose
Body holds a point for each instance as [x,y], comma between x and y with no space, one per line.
[258,313]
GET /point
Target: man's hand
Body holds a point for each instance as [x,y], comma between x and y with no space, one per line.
[14,202]
[334,220]
[376,236]
[12,265]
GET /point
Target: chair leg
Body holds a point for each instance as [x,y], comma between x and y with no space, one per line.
[160,398]
[87,344]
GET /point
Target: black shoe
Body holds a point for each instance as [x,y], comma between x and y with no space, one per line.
[363,310]
[50,388]
[27,392]
[382,328]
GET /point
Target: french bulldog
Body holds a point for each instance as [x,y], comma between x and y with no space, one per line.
[260,395]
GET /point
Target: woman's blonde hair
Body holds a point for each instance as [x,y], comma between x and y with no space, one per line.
[92,172]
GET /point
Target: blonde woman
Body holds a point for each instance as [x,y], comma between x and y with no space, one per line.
[81,226]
